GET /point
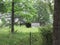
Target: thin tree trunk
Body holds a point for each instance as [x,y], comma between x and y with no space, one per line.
[12,17]
[56,24]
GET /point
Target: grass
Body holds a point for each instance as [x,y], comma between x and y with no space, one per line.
[25,29]
[20,37]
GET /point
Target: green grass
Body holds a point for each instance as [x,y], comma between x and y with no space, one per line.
[20,37]
[25,29]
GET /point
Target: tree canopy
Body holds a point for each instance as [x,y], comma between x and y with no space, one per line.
[29,10]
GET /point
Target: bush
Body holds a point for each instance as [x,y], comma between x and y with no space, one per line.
[46,33]
[36,39]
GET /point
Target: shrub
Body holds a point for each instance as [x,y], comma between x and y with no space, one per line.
[46,33]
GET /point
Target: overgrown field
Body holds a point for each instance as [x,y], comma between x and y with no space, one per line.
[21,36]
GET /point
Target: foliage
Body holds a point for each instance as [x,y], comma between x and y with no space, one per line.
[22,8]
[25,9]
[44,10]
[2,6]
[46,33]
[3,21]
[29,10]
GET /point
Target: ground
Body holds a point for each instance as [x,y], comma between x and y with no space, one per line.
[20,37]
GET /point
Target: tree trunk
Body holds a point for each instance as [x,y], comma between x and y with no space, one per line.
[12,17]
[56,24]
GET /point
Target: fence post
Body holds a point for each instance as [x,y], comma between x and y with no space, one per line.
[30,38]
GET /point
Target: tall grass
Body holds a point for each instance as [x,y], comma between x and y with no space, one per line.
[39,36]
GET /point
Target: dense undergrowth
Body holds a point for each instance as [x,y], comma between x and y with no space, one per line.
[39,36]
